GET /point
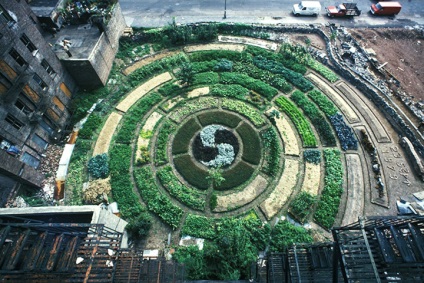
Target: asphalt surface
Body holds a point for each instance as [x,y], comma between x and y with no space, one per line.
[154,13]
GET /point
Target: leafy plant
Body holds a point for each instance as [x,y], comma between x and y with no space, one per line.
[214,177]
[302,205]
[223,65]
[190,172]
[139,227]
[250,83]
[98,166]
[284,235]
[93,122]
[272,152]
[161,154]
[144,156]
[246,110]
[312,156]
[251,143]
[213,201]
[186,74]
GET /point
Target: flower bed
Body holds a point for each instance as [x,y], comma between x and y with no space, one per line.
[250,83]
[185,195]
[272,152]
[183,136]
[328,204]
[188,107]
[209,55]
[302,205]
[208,78]
[244,109]
[161,152]
[251,144]
[155,201]
[299,121]
[233,91]
[190,172]
[219,117]
[317,119]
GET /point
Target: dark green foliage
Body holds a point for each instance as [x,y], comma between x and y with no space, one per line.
[236,176]
[259,233]
[82,101]
[208,78]
[209,55]
[186,73]
[302,125]
[93,122]
[134,116]
[252,71]
[312,156]
[170,89]
[81,149]
[199,226]
[233,91]
[182,138]
[190,172]
[223,65]
[250,83]
[140,226]
[277,68]
[325,104]
[302,205]
[251,144]
[98,166]
[284,235]
[328,204]
[204,66]
[219,117]
[191,198]
[318,120]
[122,186]
[286,59]
[192,258]
[272,152]
[161,152]
[213,202]
[155,201]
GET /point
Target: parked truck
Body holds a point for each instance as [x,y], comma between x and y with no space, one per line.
[386,8]
[343,10]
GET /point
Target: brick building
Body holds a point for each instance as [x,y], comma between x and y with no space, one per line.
[45,56]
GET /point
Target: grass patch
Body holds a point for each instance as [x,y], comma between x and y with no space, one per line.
[183,136]
[219,117]
[236,176]
[251,144]
[190,172]
[161,152]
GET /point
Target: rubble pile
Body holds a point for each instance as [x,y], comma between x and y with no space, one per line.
[50,164]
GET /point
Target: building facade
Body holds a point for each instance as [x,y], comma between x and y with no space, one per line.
[45,57]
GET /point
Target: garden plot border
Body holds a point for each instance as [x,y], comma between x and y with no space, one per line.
[311,185]
[269,45]
[147,60]
[287,134]
[373,122]
[337,99]
[214,46]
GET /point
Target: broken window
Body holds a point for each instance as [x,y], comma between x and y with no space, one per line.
[14,122]
[31,47]
[48,68]
[39,81]
[18,58]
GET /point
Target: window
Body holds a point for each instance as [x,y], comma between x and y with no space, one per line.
[14,122]
[3,89]
[5,15]
[48,68]
[46,125]
[30,160]
[6,69]
[53,114]
[31,93]
[24,106]
[31,47]
[65,90]
[58,103]
[18,58]
[40,141]
[39,81]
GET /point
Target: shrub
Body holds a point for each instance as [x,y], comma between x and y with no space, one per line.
[302,205]
[199,226]
[190,172]
[312,156]
[204,66]
[96,191]
[251,144]
[144,156]
[223,65]
[284,235]
[213,201]
[184,135]
[170,89]
[140,226]
[98,166]
[93,122]
[344,132]
[186,73]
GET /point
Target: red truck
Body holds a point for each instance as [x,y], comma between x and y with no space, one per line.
[343,10]
[386,8]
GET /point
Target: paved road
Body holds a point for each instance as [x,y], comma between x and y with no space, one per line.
[154,13]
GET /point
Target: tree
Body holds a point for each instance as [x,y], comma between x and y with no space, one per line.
[139,227]
[215,178]
[186,74]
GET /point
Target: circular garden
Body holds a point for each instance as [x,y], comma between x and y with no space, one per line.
[216,143]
